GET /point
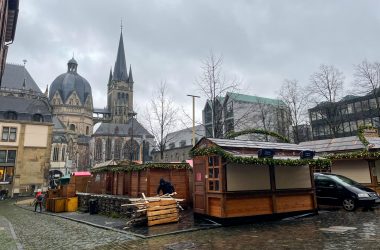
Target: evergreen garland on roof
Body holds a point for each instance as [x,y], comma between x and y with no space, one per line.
[232,134]
[140,167]
[216,150]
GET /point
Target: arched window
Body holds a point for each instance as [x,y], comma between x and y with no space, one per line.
[72,127]
[116,130]
[55,153]
[98,149]
[10,115]
[131,150]
[37,118]
[87,130]
[108,149]
[117,150]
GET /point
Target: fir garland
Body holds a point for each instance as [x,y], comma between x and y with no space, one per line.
[361,134]
[232,134]
[364,154]
[215,150]
[140,167]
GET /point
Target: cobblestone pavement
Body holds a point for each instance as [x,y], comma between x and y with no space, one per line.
[331,229]
[41,231]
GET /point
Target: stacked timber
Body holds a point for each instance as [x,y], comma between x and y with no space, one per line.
[162,212]
[154,210]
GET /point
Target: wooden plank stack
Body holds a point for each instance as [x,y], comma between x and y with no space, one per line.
[161,212]
[154,210]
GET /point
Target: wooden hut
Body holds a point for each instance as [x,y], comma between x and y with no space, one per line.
[356,157]
[234,178]
[131,179]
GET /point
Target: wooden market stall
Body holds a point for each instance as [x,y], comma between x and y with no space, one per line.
[132,179]
[234,178]
[356,157]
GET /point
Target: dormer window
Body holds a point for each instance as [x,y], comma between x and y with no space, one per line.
[37,118]
[10,115]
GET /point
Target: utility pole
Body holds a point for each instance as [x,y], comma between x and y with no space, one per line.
[194,96]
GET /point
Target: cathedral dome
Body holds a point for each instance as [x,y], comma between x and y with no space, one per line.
[65,84]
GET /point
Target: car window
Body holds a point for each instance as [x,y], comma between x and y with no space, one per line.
[346,181]
[322,181]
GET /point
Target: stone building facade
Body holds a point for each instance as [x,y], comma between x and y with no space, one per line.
[179,145]
[237,112]
[26,133]
[70,97]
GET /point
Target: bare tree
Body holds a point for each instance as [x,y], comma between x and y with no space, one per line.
[161,118]
[295,98]
[325,90]
[214,85]
[367,78]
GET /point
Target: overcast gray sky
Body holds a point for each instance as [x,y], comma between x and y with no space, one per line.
[262,42]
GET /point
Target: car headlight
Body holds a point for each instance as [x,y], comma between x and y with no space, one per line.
[363,195]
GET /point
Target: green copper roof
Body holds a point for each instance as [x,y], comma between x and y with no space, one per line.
[255,99]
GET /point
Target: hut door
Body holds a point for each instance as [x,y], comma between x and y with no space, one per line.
[109,183]
[199,172]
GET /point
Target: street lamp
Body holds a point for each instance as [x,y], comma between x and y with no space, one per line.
[193,96]
[132,115]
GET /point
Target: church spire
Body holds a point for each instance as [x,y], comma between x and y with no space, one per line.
[110,77]
[130,78]
[120,70]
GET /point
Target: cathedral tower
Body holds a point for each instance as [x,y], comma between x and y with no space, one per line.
[120,88]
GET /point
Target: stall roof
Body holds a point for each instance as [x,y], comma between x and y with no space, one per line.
[83,173]
[227,143]
[106,163]
[349,143]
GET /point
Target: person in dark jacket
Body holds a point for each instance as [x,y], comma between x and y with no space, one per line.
[38,202]
[165,186]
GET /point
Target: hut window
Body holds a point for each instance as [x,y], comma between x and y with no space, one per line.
[213,173]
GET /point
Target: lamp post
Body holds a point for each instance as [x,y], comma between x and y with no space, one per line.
[193,97]
[132,114]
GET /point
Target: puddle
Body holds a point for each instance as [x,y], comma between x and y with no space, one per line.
[337,229]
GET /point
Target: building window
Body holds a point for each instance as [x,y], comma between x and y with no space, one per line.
[72,127]
[87,130]
[7,156]
[108,149]
[365,105]
[6,174]
[131,150]
[117,150]
[358,107]
[182,143]
[63,153]
[171,145]
[214,173]
[372,103]
[55,153]
[98,149]
[37,118]
[354,127]
[9,134]
[350,108]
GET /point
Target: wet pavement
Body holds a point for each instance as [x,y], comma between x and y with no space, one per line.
[331,229]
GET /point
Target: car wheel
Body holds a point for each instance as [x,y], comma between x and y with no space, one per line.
[349,204]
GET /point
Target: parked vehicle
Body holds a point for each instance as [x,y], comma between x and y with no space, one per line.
[332,189]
